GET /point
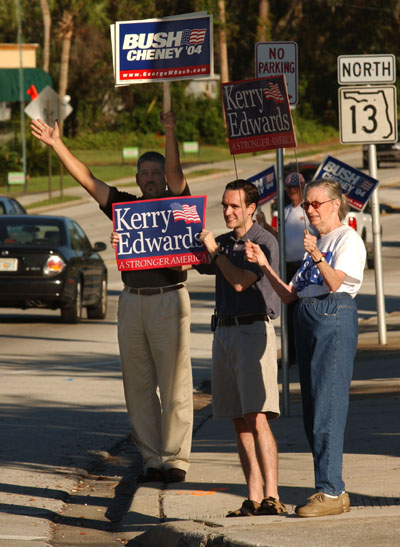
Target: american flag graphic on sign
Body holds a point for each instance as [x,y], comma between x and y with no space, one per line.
[185,212]
[274,93]
[193,36]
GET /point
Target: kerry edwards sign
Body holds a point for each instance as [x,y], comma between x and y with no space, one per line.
[258,115]
[160,233]
[356,185]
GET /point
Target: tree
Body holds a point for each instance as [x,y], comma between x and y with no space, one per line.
[44,5]
[263,29]
[223,50]
[65,31]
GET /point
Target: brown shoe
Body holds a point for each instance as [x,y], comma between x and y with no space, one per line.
[248,509]
[175,475]
[271,506]
[150,474]
[320,505]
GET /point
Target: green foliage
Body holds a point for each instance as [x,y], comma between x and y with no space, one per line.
[310,131]
[323,29]
[9,161]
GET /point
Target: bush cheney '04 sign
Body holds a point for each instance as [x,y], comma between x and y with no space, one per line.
[173,48]
[265,181]
[356,185]
[160,233]
[258,115]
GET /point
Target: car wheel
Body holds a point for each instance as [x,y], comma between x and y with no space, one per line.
[73,313]
[99,310]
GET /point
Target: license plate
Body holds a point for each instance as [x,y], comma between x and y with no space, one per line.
[8,264]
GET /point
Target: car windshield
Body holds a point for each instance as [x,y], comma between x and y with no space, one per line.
[30,232]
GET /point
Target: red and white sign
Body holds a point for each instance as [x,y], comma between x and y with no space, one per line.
[273,58]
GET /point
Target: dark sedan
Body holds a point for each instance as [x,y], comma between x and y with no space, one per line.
[48,262]
[10,206]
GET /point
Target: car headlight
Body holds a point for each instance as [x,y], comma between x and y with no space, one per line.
[54,265]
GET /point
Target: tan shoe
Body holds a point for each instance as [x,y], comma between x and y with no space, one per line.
[345,501]
[319,505]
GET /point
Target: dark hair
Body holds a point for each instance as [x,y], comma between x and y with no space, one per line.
[333,190]
[250,191]
[151,156]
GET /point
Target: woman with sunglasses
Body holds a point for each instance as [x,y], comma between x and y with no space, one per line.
[326,332]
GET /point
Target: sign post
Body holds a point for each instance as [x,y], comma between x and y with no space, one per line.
[281,58]
[368,115]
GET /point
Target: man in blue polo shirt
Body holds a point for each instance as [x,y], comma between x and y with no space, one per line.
[244,373]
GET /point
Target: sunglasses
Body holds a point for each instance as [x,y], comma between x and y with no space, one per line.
[315,204]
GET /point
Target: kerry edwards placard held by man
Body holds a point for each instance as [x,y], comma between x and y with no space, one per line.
[160,233]
[258,115]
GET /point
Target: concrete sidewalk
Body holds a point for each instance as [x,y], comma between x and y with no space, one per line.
[192,513]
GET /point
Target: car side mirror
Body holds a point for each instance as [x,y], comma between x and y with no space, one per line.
[99,246]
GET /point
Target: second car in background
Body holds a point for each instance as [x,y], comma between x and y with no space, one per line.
[48,262]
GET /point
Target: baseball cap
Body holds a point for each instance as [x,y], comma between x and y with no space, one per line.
[294,179]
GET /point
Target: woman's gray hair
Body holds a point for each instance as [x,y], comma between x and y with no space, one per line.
[333,190]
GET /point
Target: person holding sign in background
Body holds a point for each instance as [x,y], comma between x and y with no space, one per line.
[153,318]
[326,332]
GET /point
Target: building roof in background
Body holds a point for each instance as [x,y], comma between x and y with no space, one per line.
[9,82]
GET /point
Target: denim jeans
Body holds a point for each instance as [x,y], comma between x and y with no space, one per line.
[326,332]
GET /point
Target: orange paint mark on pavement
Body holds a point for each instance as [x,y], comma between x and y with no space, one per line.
[202,492]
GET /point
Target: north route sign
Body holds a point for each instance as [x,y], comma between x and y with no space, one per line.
[366,69]
[273,58]
[160,233]
[265,181]
[257,115]
[356,185]
[168,49]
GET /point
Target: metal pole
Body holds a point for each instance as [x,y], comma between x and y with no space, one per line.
[376,231]
[21,93]
[282,270]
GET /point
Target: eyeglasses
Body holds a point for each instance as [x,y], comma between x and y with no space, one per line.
[315,204]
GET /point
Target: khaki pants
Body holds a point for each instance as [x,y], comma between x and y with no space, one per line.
[154,342]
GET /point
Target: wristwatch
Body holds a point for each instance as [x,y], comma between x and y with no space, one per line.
[322,259]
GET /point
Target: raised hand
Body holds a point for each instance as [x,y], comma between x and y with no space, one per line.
[44,133]
[168,119]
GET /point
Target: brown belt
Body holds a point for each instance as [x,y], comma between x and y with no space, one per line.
[155,290]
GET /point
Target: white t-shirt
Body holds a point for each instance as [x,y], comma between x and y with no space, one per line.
[343,250]
[294,232]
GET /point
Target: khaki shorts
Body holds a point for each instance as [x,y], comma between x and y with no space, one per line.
[244,372]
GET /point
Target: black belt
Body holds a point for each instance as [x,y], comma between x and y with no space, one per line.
[241,320]
[155,290]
